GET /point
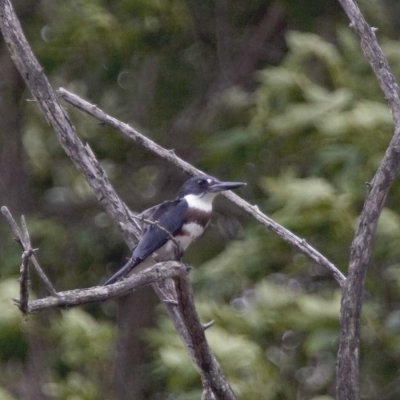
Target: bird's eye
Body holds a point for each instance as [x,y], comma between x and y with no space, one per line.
[202,182]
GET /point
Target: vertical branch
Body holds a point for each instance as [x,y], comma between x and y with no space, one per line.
[24,269]
[24,281]
[389,168]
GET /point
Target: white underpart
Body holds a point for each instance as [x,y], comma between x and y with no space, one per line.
[201,202]
[191,231]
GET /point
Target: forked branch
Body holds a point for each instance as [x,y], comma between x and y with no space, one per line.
[22,237]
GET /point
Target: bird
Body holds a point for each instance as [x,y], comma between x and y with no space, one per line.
[173,225]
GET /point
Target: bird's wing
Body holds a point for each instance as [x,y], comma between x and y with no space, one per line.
[170,215]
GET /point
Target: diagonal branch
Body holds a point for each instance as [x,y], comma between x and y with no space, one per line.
[202,353]
[269,223]
[348,354]
[127,130]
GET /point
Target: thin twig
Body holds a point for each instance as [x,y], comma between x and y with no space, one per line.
[23,239]
[155,148]
[208,324]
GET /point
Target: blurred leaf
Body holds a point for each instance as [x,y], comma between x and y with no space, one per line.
[4,395]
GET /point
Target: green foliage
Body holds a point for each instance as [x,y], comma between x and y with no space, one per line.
[265,338]
[84,350]
[81,349]
[318,130]
[87,339]
[306,140]
[320,116]
[75,386]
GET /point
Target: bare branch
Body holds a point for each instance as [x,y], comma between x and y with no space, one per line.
[24,240]
[301,244]
[209,365]
[127,131]
[133,134]
[162,274]
[77,297]
[348,354]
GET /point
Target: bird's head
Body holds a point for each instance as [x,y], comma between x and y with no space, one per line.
[206,186]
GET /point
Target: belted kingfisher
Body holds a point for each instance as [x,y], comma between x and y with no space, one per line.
[175,224]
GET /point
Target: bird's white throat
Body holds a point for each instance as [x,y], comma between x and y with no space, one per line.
[201,202]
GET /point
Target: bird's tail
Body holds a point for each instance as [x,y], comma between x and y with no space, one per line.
[124,271]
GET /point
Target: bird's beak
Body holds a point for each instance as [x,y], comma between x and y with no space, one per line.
[221,186]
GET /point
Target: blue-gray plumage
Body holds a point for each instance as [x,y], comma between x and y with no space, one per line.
[184,219]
